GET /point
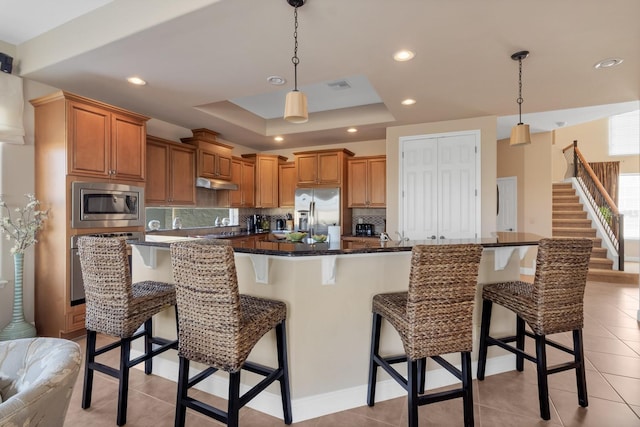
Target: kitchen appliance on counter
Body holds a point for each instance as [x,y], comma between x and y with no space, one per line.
[76,283]
[279,224]
[365,230]
[316,209]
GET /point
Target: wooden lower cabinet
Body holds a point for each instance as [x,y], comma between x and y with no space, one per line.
[357,242]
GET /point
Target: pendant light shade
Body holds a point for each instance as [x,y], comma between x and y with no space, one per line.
[295,106]
[520,133]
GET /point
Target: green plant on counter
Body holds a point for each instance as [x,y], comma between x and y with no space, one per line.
[606,214]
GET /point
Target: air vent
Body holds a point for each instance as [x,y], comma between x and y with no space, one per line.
[339,85]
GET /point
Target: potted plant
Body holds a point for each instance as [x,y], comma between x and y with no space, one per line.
[23,230]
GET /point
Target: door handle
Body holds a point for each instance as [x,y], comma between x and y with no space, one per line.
[441,237]
[433,236]
[497,200]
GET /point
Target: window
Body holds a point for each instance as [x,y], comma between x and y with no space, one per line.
[629,204]
[624,134]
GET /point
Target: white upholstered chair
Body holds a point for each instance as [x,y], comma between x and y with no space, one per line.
[37,376]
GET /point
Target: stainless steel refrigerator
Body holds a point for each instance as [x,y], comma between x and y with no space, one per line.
[317,209]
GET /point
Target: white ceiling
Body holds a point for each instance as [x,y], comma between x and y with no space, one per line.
[207,61]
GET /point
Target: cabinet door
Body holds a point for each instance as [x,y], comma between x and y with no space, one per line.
[235,196]
[266,182]
[329,168]
[287,185]
[128,143]
[224,167]
[157,184]
[89,133]
[357,173]
[248,184]
[182,185]
[307,166]
[208,167]
[376,182]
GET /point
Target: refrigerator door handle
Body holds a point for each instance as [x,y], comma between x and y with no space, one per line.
[312,217]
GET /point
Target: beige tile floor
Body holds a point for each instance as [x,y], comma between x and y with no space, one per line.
[612,348]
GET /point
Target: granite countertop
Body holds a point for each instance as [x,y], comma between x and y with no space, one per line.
[286,248]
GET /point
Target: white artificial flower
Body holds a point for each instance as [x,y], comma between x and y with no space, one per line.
[24,228]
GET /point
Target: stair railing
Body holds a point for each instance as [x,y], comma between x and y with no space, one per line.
[610,218]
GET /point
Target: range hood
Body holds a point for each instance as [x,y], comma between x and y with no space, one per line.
[215,184]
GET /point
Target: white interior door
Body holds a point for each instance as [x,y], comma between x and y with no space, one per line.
[420,188]
[507,204]
[439,197]
[456,187]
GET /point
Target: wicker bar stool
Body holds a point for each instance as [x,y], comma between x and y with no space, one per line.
[435,317]
[115,306]
[553,303]
[218,327]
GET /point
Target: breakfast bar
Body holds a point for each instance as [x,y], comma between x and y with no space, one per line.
[328,290]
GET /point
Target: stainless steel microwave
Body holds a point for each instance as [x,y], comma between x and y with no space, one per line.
[103,204]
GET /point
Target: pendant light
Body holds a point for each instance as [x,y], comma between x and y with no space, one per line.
[520,133]
[295,106]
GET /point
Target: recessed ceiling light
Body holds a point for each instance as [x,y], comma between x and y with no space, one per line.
[408,101]
[278,139]
[276,80]
[352,130]
[136,81]
[403,55]
[608,63]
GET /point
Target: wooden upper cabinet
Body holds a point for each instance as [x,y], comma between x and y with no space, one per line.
[213,157]
[171,173]
[321,168]
[127,147]
[266,180]
[156,190]
[243,175]
[105,142]
[287,184]
[367,182]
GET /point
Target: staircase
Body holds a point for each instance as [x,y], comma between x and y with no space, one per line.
[569,219]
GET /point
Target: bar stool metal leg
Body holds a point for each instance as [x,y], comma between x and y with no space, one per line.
[484,334]
[88,372]
[519,343]
[283,365]
[467,386]
[581,379]
[373,365]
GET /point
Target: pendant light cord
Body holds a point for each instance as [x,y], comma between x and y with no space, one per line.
[295,58]
[520,100]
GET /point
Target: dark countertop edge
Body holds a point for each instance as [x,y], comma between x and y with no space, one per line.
[390,247]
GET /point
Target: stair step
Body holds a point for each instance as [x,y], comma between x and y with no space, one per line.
[568,214]
[565,199]
[571,222]
[567,206]
[598,252]
[563,191]
[562,185]
[573,232]
[601,263]
[612,276]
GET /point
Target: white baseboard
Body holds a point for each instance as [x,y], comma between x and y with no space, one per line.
[318,405]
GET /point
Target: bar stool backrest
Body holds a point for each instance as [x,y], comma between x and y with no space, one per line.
[562,266]
[107,284]
[442,292]
[208,303]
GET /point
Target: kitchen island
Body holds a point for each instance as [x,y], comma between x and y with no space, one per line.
[328,291]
